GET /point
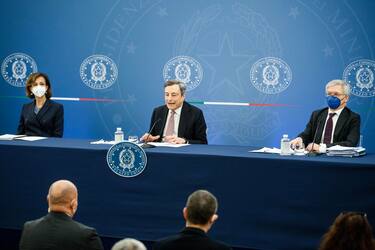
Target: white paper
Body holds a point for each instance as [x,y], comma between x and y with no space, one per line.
[342,148]
[101,141]
[10,136]
[31,138]
[166,144]
[267,150]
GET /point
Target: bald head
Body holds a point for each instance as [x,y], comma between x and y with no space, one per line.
[62,197]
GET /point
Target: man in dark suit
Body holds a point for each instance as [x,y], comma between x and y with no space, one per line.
[334,125]
[177,121]
[57,230]
[199,214]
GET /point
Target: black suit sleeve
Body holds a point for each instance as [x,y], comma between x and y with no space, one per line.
[21,123]
[22,245]
[308,134]
[349,136]
[59,122]
[93,240]
[200,127]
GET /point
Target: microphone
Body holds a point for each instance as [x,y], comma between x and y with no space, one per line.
[311,153]
[145,144]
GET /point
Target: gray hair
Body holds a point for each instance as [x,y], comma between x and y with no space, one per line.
[181,85]
[129,244]
[345,86]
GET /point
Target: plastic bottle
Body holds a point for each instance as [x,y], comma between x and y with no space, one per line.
[285,145]
[119,135]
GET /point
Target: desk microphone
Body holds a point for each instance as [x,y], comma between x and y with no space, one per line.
[145,144]
[311,153]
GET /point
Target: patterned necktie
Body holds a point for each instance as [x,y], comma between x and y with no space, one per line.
[329,128]
[170,125]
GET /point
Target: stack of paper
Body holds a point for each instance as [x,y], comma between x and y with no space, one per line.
[346,151]
[267,150]
[10,137]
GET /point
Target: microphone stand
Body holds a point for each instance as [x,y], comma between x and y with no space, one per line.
[145,144]
[311,152]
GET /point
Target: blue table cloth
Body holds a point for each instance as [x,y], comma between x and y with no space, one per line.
[265,201]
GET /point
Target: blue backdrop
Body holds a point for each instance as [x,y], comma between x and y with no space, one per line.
[278,53]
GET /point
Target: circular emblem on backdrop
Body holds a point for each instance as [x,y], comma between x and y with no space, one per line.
[17,67]
[98,71]
[270,75]
[185,69]
[360,75]
[126,159]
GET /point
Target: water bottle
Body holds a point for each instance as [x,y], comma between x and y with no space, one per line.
[119,135]
[285,145]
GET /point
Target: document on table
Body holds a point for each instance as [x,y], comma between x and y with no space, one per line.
[8,137]
[267,150]
[166,144]
[101,141]
[31,138]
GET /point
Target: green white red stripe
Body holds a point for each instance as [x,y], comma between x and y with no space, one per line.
[83,99]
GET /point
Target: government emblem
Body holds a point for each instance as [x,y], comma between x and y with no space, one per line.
[185,69]
[17,67]
[360,75]
[270,75]
[126,159]
[98,71]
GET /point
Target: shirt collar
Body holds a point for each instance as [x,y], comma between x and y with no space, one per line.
[338,112]
[178,111]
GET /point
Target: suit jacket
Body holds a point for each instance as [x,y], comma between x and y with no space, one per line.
[346,133]
[192,125]
[49,121]
[188,239]
[58,231]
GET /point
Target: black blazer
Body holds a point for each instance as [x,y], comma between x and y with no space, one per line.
[346,133]
[192,125]
[57,231]
[49,121]
[190,239]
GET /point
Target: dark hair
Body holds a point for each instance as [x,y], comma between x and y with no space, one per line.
[350,230]
[181,85]
[201,206]
[32,78]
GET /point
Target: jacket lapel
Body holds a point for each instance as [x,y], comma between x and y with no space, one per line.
[43,110]
[165,116]
[340,122]
[321,120]
[183,118]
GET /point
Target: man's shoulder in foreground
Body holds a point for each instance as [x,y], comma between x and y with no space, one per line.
[190,238]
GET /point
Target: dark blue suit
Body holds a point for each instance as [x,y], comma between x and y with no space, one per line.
[49,121]
[346,133]
[192,125]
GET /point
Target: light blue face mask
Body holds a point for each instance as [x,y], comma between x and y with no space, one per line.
[333,102]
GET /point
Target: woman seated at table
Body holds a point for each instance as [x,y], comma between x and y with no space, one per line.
[42,116]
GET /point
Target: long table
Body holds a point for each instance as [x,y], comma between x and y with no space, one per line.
[265,201]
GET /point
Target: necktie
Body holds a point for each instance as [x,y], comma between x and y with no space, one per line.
[329,128]
[170,125]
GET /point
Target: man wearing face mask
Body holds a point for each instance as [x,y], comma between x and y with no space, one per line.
[57,230]
[334,125]
[42,116]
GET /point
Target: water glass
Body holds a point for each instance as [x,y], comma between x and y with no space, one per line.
[133,138]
